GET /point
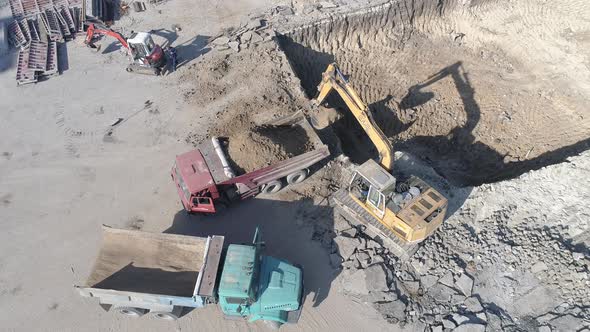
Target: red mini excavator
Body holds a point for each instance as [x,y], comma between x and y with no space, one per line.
[146,56]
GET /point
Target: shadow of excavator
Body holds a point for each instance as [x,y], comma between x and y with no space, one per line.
[457,155]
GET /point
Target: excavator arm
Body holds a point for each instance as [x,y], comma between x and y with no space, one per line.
[92,30]
[332,79]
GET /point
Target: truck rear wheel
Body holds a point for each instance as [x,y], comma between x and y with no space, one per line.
[272,187]
[297,177]
[131,311]
[165,315]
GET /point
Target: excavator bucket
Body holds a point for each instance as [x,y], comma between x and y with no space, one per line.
[322,117]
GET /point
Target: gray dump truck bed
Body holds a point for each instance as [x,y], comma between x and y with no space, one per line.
[145,267]
[316,151]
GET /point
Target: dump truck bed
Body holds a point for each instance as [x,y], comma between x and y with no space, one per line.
[316,150]
[164,264]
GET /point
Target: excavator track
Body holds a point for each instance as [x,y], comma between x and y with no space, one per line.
[358,217]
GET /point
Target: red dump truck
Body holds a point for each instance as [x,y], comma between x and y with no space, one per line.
[205,177]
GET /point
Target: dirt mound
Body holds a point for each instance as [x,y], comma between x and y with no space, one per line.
[266,145]
[225,83]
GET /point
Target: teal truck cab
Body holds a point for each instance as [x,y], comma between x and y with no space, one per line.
[270,289]
[140,273]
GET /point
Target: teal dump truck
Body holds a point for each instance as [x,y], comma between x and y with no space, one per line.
[139,273]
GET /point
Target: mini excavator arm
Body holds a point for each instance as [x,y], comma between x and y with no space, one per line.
[332,79]
[93,30]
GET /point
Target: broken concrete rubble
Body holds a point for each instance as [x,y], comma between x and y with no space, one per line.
[448,324]
[470,328]
[472,304]
[394,311]
[412,287]
[221,41]
[538,267]
[428,281]
[441,293]
[346,245]
[544,328]
[447,280]
[464,284]
[459,319]
[327,5]
[375,278]
[568,323]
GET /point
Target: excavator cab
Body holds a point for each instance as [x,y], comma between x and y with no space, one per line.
[144,51]
[370,184]
[411,209]
[141,45]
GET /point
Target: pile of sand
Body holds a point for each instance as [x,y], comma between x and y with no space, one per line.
[263,146]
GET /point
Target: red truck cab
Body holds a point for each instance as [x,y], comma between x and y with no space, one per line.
[194,182]
[204,177]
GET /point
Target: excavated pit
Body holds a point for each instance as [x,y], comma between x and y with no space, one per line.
[473,102]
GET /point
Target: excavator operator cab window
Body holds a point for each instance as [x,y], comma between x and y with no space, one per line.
[359,187]
[362,189]
[377,200]
[149,45]
[138,51]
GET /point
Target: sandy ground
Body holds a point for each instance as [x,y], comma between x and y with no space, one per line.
[61,178]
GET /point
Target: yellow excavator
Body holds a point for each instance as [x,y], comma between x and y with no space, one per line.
[399,215]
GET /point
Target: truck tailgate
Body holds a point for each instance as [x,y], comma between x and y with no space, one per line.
[142,262]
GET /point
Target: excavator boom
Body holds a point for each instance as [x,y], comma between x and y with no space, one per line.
[332,79]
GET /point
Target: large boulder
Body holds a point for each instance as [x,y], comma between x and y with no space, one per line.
[346,245]
[464,284]
[375,277]
[472,304]
[468,327]
[567,323]
[441,293]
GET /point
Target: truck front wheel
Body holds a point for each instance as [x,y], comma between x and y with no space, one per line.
[272,187]
[297,177]
[131,311]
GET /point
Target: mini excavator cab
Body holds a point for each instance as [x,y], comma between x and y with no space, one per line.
[141,45]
